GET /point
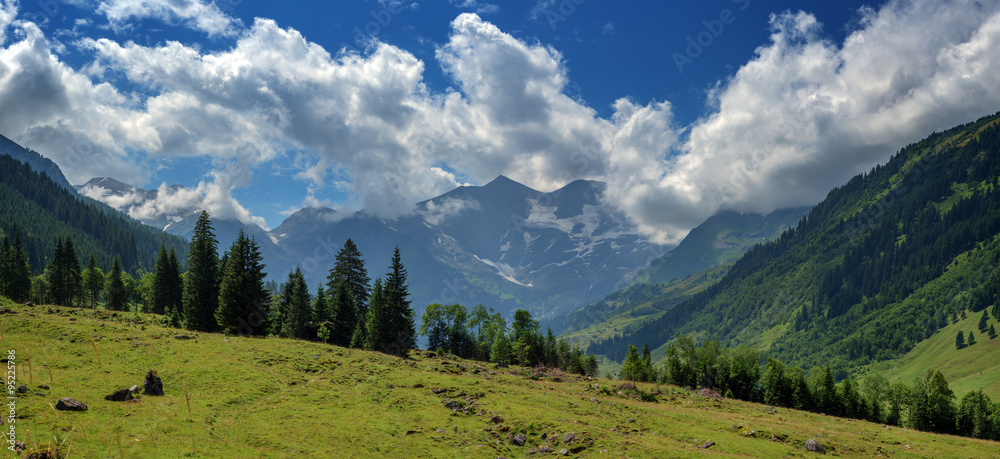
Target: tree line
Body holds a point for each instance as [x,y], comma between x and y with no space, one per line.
[484,335]
[928,404]
[228,293]
[39,210]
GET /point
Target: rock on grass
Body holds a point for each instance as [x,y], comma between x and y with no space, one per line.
[68,404]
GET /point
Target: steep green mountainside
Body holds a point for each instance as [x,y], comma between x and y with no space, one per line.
[229,396]
[629,308]
[873,270]
[41,210]
[699,260]
[721,239]
[36,161]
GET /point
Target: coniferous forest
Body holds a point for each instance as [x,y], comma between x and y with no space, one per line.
[870,271]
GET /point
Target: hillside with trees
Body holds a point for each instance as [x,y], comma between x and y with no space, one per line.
[38,211]
[877,267]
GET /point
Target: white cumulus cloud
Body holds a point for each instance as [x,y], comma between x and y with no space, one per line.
[194,14]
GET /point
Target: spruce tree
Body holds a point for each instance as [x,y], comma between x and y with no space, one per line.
[74,278]
[295,306]
[117,300]
[19,282]
[161,282]
[174,303]
[350,268]
[402,330]
[64,273]
[632,367]
[993,332]
[345,315]
[201,286]
[93,281]
[972,338]
[321,307]
[243,300]
[359,340]
[377,320]
[959,340]
[984,322]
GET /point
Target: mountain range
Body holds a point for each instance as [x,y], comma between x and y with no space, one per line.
[502,244]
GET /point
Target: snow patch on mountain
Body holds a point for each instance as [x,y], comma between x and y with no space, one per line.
[504,270]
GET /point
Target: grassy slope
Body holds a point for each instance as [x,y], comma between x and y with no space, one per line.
[286,398]
[967,369]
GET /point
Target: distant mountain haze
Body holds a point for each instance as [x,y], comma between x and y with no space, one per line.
[503,244]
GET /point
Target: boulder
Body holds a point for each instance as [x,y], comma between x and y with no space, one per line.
[153,385]
[68,404]
[519,439]
[22,388]
[706,392]
[134,389]
[569,437]
[708,444]
[120,395]
[814,445]
[626,386]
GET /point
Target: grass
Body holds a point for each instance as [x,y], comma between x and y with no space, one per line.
[286,398]
[970,368]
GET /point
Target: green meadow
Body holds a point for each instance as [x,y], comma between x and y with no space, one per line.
[269,397]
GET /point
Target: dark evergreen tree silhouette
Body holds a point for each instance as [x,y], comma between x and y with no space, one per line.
[201,284]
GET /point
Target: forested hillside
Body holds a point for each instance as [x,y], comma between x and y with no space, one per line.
[875,268]
[38,209]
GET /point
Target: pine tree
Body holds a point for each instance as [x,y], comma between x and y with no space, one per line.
[93,281]
[295,306]
[321,311]
[972,338]
[161,282]
[174,303]
[993,332]
[64,273]
[117,300]
[345,315]
[350,268]
[401,330]
[19,282]
[201,286]
[959,340]
[984,322]
[377,321]
[359,340]
[243,300]
[74,278]
[632,367]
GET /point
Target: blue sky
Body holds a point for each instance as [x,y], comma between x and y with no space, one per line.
[684,108]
